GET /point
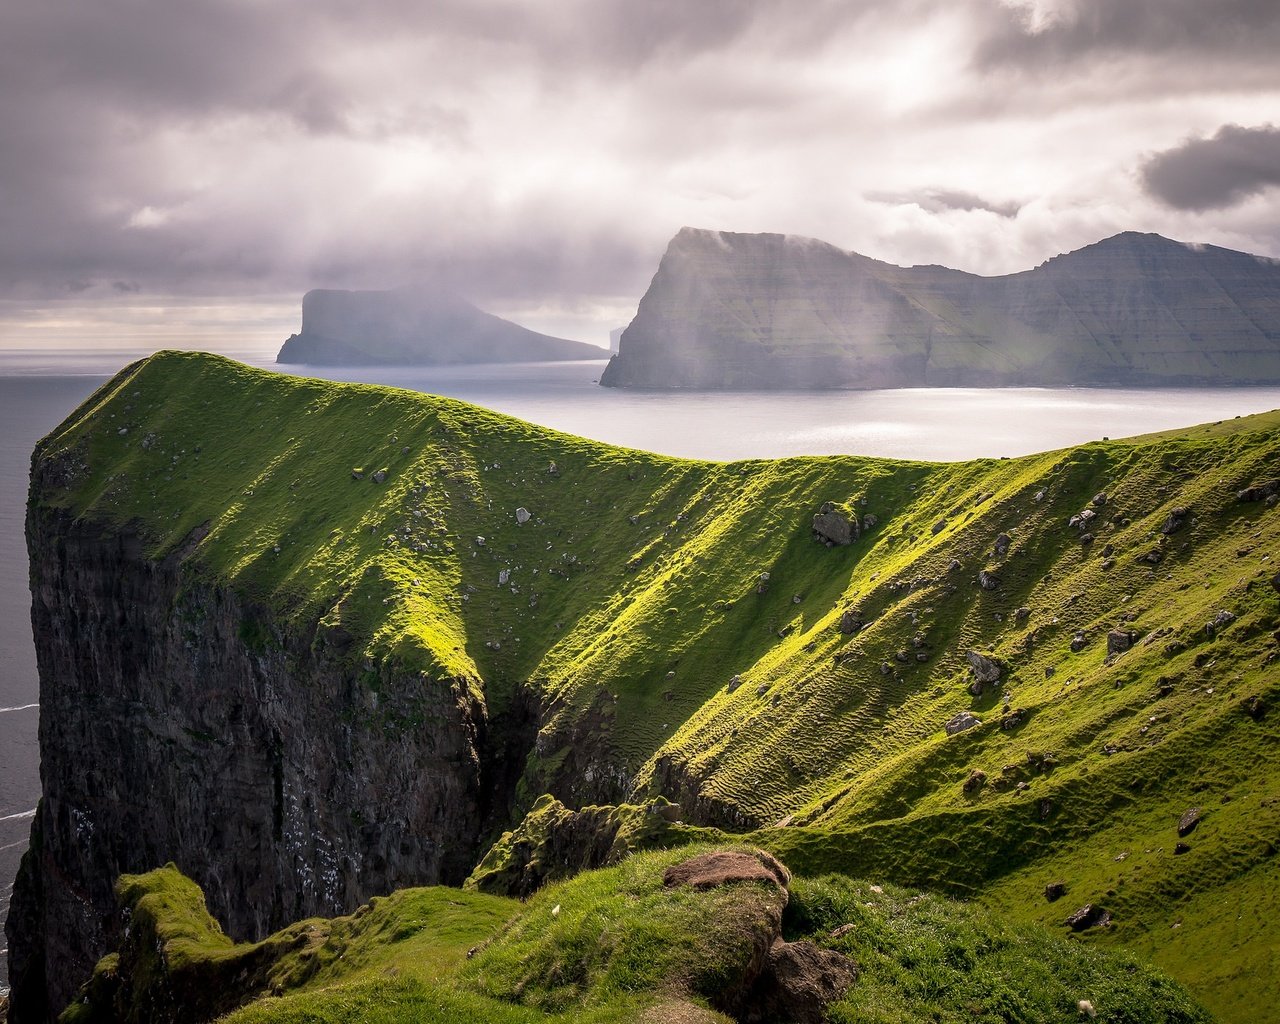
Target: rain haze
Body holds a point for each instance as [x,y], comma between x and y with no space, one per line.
[180,174]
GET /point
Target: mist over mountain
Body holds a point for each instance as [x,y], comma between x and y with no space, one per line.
[728,310]
[417,327]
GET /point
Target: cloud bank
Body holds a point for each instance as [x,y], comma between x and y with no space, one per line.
[538,157]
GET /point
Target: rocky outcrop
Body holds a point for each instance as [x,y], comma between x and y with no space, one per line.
[179,724]
[1134,309]
[421,327]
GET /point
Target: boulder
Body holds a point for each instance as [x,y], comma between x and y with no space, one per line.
[1055,891]
[1119,641]
[985,670]
[727,867]
[976,780]
[1219,622]
[1099,499]
[1089,916]
[522,516]
[380,476]
[1190,819]
[1002,545]
[1259,492]
[850,621]
[988,580]
[799,981]
[832,526]
[960,722]
[1175,520]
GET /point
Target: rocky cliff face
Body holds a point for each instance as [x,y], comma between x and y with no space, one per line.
[766,311]
[428,327]
[178,723]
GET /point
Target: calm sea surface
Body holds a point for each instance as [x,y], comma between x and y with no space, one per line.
[38,389]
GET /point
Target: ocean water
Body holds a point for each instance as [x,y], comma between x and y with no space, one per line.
[38,389]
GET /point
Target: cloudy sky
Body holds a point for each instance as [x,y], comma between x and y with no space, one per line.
[187,170]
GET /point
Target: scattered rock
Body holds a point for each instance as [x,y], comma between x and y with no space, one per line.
[1013,719]
[1119,641]
[1175,520]
[1187,823]
[840,932]
[850,621]
[1181,848]
[357,474]
[1021,615]
[1055,891]
[553,469]
[886,669]
[762,583]
[1089,916]
[1002,545]
[725,867]
[1039,495]
[960,722]
[1254,708]
[522,516]
[1078,643]
[1259,492]
[1220,621]
[976,780]
[734,683]
[985,670]
[1085,1008]
[380,476]
[1099,499]
[831,526]
[504,575]
[1153,557]
[988,580]
[939,526]
[869,521]
[954,565]
[799,981]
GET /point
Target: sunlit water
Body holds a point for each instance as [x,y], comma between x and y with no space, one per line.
[38,389]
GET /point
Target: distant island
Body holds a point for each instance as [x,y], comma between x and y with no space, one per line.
[415,327]
[770,311]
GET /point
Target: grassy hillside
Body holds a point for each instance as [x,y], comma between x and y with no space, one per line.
[635,593]
[610,945]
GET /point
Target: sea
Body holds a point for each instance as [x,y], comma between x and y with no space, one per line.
[39,388]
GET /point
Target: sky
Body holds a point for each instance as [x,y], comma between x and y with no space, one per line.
[180,173]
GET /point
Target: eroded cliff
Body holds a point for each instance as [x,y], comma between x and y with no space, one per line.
[765,311]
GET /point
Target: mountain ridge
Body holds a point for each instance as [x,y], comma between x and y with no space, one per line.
[762,311]
[429,326]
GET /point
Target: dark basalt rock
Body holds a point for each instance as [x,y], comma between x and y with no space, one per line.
[1088,916]
[247,754]
[798,982]
[833,526]
[1191,817]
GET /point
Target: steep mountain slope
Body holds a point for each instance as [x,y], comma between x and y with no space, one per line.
[419,327]
[315,641]
[766,311]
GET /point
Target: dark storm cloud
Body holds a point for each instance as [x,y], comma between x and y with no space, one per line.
[1076,29]
[1217,172]
[942,200]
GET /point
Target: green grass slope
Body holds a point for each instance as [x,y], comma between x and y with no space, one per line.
[636,592]
[609,946]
